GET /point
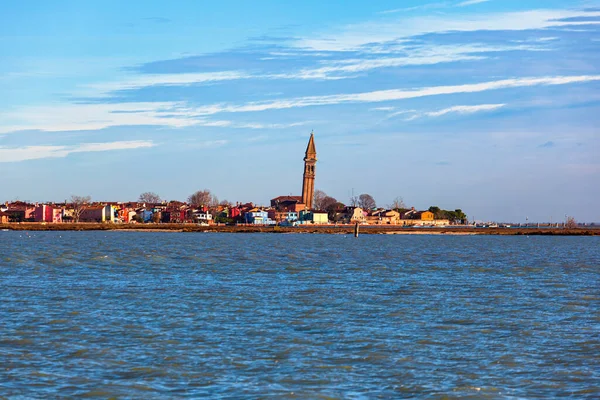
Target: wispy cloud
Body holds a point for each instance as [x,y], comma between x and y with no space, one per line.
[430,6]
[471,2]
[89,117]
[378,58]
[394,94]
[457,110]
[15,154]
[427,6]
[414,55]
[359,36]
[148,80]
[72,117]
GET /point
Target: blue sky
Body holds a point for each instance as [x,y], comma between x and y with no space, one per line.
[489,106]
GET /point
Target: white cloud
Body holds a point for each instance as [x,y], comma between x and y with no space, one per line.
[471,2]
[431,6]
[402,112]
[14,154]
[72,117]
[393,94]
[338,69]
[415,8]
[147,80]
[358,36]
[78,117]
[419,55]
[382,109]
[457,110]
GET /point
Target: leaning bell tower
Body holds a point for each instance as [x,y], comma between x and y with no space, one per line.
[308,184]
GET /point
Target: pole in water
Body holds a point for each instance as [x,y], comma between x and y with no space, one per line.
[356,230]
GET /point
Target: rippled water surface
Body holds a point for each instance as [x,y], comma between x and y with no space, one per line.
[164,315]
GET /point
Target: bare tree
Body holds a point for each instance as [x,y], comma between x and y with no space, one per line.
[571,223]
[149,197]
[397,204]
[328,203]
[318,199]
[79,203]
[202,198]
[366,201]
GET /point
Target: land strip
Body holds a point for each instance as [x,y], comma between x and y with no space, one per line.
[328,229]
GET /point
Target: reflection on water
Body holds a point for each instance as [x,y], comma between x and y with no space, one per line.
[155,315]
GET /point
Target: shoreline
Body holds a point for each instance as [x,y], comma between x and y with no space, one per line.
[324,229]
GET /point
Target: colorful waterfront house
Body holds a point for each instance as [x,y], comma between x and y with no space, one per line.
[3,218]
[123,215]
[351,215]
[110,213]
[283,216]
[288,203]
[425,216]
[47,213]
[234,212]
[257,216]
[19,211]
[93,214]
[203,217]
[314,217]
[145,215]
[175,212]
[383,217]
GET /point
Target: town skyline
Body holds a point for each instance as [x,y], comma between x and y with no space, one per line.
[489,106]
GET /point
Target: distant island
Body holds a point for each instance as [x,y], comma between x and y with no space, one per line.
[313,210]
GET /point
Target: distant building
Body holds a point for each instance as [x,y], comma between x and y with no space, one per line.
[98,213]
[304,202]
[308,184]
[203,217]
[283,216]
[47,213]
[257,216]
[3,218]
[383,217]
[288,203]
[20,211]
[351,215]
[314,217]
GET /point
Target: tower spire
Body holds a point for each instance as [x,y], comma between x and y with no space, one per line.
[311,151]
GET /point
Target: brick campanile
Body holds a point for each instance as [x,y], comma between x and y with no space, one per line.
[308,184]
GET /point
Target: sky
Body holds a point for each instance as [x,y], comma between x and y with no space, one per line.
[491,106]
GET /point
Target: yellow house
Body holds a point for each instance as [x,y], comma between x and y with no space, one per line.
[384,217]
[314,217]
[351,215]
[320,218]
[426,216]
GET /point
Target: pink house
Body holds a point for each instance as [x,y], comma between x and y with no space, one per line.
[24,211]
[45,213]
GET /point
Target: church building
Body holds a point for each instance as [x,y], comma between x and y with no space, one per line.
[304,202]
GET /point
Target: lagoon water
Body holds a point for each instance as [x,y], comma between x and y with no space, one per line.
[168,315]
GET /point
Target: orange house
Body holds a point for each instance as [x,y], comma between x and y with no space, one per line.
[425,216]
